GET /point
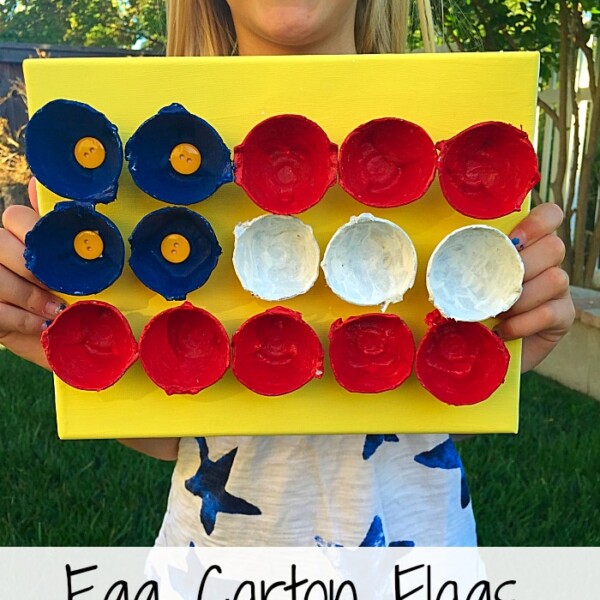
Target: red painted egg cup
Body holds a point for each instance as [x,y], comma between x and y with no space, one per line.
[90,345]
[487,170]
[371,353]
[460,363]
[184,349]
[285,164]
[387,162]
[276,352]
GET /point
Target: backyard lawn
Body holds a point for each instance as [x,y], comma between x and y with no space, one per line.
[539,488]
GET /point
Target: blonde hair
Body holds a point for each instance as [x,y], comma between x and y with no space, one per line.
[205,27]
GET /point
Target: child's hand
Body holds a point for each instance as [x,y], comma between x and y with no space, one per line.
[25,305]
[545,311]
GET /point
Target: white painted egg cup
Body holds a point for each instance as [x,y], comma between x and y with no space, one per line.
[275,257]
[474,273]
[370,261]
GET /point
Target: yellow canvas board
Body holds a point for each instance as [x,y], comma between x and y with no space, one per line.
[443,93]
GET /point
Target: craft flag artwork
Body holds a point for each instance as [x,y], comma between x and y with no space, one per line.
[343,161]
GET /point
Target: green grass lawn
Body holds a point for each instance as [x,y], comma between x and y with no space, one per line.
[541,487]
[72,493]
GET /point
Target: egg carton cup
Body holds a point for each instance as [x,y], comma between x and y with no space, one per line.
[474,273]
[276,257]
[370,261]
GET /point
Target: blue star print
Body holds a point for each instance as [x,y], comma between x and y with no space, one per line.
[209,483]
[372,442]
[445,456]
[375,537]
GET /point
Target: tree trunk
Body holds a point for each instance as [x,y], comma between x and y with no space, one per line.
[562,128]
[586,177]
[572,118]
[583,267]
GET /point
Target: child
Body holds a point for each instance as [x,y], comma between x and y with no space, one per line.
[373,490]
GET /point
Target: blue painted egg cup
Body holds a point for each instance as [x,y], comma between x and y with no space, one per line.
[51,137]
[51,256]
[173,281]
[149,149]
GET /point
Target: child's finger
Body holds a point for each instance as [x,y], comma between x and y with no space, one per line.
[15,319]
[547,252]
[551,283]
[550,320]
[20,293]
[19,220]
[11,256]
[543,220]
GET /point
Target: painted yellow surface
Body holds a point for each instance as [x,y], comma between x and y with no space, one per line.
[443,93]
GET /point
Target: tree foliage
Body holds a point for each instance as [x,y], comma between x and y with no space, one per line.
[106,23]
[496,25]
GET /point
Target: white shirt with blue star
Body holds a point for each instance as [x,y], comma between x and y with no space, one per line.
[335,490]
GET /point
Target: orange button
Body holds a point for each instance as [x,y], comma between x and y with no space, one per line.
[88,244]
[185,159]
[89,152]
[175,248]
